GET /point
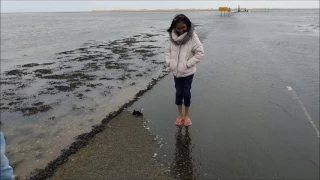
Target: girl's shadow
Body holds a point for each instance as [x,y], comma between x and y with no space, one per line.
[182,166]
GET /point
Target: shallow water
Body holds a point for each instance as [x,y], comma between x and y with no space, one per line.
[247,123]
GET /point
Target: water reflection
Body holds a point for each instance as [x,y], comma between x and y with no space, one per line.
[182,166]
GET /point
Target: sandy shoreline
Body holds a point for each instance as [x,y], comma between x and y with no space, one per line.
[83,139]
[56,101]
[125,150]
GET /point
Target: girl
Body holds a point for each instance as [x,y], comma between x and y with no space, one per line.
[185,51]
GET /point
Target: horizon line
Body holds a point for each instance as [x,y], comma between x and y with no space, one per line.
[159,10]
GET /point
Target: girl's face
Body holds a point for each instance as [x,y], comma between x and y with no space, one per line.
[181,27]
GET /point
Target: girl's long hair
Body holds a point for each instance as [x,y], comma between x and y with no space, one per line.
[180,18]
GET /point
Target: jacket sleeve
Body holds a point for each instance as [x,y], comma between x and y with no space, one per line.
[198,51]
[6,171]
[168,54]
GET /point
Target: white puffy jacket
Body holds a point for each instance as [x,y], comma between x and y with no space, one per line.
[184,52]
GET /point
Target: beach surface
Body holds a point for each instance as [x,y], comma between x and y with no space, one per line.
[255,100]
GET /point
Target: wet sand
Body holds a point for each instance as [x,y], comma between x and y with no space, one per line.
[51,103]
[125,150]
[83,139]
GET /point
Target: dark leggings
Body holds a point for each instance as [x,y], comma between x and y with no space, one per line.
[183,87]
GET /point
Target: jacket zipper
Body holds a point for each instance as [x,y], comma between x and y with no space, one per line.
[178,60]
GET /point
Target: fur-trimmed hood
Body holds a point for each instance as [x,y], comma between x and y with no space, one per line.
[183,38]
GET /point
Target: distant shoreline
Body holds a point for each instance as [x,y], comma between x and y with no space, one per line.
[152,10]
[157,10]
[175,10]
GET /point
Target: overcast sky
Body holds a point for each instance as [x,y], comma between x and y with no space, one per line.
[66,6]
